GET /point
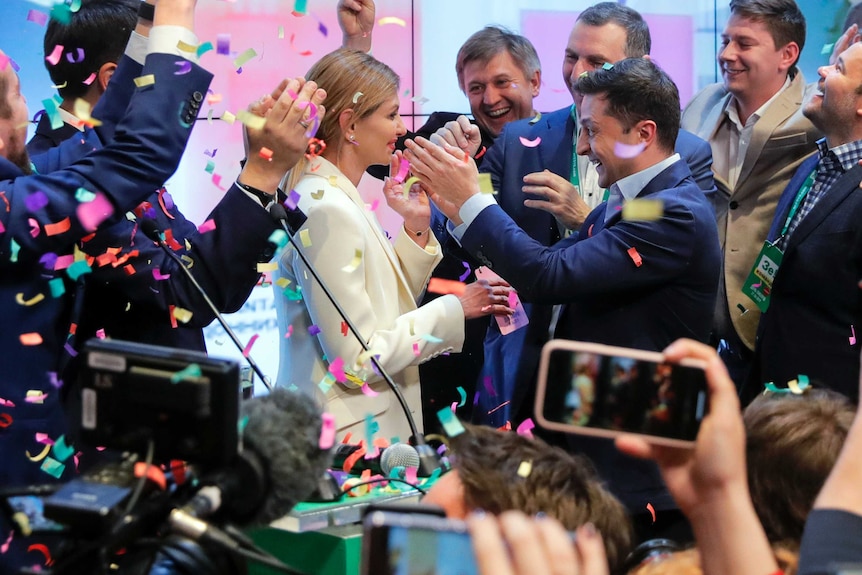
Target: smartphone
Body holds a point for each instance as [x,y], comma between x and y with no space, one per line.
[604,391]
[405,543]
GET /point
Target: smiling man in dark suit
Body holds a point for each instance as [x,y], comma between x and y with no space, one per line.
[631,282]
[815,305]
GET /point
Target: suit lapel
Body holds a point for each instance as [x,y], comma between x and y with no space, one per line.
[668,178]
[789,195]
[787,103]
[555,151]
[846,185]
[715,117]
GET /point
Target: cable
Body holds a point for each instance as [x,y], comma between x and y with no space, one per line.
[381,479]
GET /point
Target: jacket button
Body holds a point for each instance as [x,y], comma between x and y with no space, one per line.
[733,205]
[198,97]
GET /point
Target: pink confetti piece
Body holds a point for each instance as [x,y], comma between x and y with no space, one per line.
[37,17]
[525,428]
[852,338]
[216,179]
[6,403]
[55,55]
[250,343]
[93,213]
[454,406]
[63,262]
[207,226]
[366,390]
[5,547]
[628,151]
[403,169]
[158,275]
[410,474]
[289,331]
[100,333]
[530,143]
[327,431]
[336,368]
[651,509]
[4,61]
[90,79]
[416,349]
[44,439]
[466,274]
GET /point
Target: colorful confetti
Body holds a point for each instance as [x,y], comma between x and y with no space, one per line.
[530,143]
[327,431]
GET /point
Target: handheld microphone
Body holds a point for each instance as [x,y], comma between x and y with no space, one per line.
[429,461]
[151,229]
[396,455]
[278,467]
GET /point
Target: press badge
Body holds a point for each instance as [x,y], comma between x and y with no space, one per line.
[758,285]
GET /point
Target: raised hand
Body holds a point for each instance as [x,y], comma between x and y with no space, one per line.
[460,133]
[561,198]
[356,19]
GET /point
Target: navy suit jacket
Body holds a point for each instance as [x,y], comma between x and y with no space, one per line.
[511,361]
[816,302]
[609,298]
[145,151]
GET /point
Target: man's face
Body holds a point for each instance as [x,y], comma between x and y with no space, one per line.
[498,91]
[448,493]
[599,140]
[753,68]
[13,129]
[588,49]
[834,108]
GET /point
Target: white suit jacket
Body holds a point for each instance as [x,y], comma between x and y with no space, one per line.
[378,285]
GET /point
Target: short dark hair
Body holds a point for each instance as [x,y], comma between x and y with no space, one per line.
[638,40]
[782,18]
[792,443]
[559,484]
[636,89]
[854,16]
[5,107]
[490,41]
[99,31]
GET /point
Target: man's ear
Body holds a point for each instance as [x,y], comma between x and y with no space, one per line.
[103,76]
[647,131]
[535,82]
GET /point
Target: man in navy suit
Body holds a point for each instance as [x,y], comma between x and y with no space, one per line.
[815,304]
[628,282]
[547,189]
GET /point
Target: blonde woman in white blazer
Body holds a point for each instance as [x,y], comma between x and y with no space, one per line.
[377,282]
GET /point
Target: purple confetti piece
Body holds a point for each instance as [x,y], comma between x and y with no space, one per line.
[292,200]
[322,29]
[489,386]
[169,201]
[184,67]
[476,398]
[75,60]
[36,201]
[70,350]
[150,212]
[223,44]
[463,276]
[56,382]
[628,151]
[211,154]
[48,260]
[37,17]
[15,65]
[441,449]
[313,330]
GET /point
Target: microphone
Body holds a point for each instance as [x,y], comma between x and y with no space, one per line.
[151,229]
[429,460]
[396,455]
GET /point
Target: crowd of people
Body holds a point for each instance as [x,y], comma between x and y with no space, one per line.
[751,265]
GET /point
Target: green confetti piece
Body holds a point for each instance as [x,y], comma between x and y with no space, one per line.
[51,109]
[803,381]
[244,57]
[57,287]
[607,66]
[451,424]
[53,467]
[371,427]
[278,238]
[14,248]
[293,294]
[192,371]
[75,6]
[84,195]
[769,386]
[326,383]
[827,49]
[211,168]
[292,387]
[431,339]
[204,48]
[61,450]
[463,395]
[300,6]
[62,14]
[241,424]
[78,269]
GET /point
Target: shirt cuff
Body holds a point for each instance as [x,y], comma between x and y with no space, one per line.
[136,49]
[470,211]
[167,39]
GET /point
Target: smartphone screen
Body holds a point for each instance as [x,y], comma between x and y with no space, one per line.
[621,392]
[404,544]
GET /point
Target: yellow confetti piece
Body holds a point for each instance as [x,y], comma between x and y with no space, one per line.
[305,238]
[60,86]
[282,282]
[317,195]
[485,185]
[147,80]
[186,47]
[267,267]
[281,32]
[333,181]
[20,518]
[251,120]
[32,301]
[412,326]
[244,57]
[357,259]
[35,396]
[42,455]
[356,96]
[409,184]
[391,20]
[228,117]
[525,468]
[643,210]
[182,315]
[82,109]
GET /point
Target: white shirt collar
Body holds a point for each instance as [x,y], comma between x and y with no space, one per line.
[733,114]
[632,185]
[71,119]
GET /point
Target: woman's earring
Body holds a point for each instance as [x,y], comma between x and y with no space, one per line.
[352,139]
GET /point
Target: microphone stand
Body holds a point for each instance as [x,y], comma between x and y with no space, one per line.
[152,231]
[428,459]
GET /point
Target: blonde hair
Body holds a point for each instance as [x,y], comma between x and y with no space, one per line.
[344,74]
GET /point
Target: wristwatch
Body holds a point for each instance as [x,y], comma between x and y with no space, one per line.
[146,11]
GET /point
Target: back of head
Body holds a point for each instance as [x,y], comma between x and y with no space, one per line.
[854,16]
[638,40]
[792,443]
[344,74]
[97,34]
[491,40]
[688,562]
[636,89]
[559,484]
[782,18]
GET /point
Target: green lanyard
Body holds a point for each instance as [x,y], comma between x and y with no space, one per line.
[575,178]
[797,202]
